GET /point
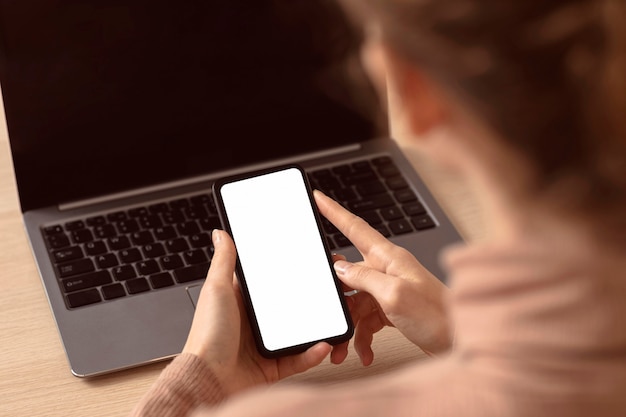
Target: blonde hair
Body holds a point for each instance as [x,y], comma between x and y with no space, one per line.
[548,76]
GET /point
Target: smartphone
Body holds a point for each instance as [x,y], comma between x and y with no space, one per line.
[285,270]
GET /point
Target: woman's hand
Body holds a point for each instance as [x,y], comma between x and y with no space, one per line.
[394,288]
[220,333]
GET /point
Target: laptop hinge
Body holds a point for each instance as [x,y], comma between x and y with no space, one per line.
[204,178]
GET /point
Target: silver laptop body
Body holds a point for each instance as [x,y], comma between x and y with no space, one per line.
[140,106]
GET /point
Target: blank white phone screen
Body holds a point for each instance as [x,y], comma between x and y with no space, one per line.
[283,259]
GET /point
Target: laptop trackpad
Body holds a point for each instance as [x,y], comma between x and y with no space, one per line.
[194,294]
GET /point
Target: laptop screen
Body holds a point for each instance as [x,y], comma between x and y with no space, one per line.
[106,96]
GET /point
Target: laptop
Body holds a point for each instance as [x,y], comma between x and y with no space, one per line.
[122,114]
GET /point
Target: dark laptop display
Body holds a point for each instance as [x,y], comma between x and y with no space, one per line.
[126,94]
[121,115]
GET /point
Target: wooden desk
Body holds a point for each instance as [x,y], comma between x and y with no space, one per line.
[34,375]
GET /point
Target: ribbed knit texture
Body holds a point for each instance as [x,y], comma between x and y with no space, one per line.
[184,385]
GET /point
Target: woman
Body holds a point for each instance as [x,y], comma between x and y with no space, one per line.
[526,100]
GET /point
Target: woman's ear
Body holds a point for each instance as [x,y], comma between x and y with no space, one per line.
[374,62]
[422,104]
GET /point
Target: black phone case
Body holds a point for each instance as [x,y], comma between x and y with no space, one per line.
[241,277]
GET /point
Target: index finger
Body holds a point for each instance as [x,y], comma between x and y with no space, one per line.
[365,238]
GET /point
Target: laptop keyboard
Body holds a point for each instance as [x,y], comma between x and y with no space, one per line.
[141,249]
[376,191]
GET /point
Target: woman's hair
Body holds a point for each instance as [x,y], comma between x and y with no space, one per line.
[549,76]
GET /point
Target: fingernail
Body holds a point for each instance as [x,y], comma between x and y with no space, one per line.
[342,267]
[216,236]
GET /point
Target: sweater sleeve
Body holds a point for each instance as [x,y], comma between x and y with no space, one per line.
[184,385]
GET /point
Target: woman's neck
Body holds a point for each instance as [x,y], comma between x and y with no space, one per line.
[501,180]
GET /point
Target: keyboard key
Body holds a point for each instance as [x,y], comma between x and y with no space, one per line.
[107,260]
[191,273]
[328,183]
[138,285]
[171,262]
[128,226]
[373,203]
[371,188]
[196,212]
[210,223]
[153,250]
[344,194]
[165,233]
[83,298]
[158,208]
[180,203]
[96,221]
[72,268]
[117,216]
[405,196]
[75,225]
[201,199]
[392,213]
[340,170]
[142,238]
[82,236]
[200,240]
[359,178]
[388,170]
[210,205]
[53,230]
[188,228]
[400,227]
[423,222]
[118,243]
[322,173]
[113,291]
[362,166]
[397,183]
[195,257]
[138,212]
[414,209]
[162,280]
[95,248]
[69,254]
[176,245]
[146,268]
[124,272]
[90,280]
[206,201]
[173,217]
[151,221]
[104,231]
[131,255]
[382,160]
[58,241]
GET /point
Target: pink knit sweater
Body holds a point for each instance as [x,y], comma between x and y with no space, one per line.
[540,331]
